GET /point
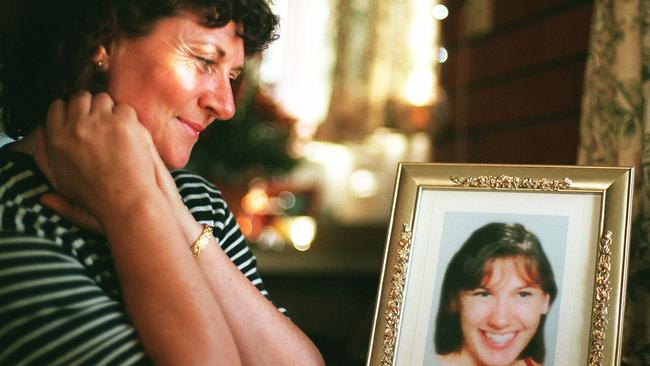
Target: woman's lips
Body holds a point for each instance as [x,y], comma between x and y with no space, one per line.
[195,127]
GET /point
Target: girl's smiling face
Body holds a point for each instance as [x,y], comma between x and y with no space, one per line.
[499,318]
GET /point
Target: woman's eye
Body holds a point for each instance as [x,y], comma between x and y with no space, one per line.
[481,293]
[206,63]
[524,294]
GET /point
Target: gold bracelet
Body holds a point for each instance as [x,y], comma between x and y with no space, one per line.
[202,241]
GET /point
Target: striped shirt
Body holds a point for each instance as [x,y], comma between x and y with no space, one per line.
[60,301]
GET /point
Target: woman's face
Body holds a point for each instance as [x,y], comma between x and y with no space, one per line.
[499,318]
[177,78]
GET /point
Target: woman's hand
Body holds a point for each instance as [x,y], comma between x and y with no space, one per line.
[93,151]
[96,154]
[190,228]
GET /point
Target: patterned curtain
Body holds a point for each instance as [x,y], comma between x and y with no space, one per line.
[615,130]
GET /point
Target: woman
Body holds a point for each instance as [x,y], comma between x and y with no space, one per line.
[495,295]
[106,257]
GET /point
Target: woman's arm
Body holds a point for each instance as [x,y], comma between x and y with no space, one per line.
[167,298]
[99,157]
[277,341]
[264,335]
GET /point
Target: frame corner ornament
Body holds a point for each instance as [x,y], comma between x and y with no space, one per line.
[396,296]
[513,183]
[600,309]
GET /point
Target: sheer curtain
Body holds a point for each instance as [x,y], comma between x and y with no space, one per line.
[298,65]
[385,59]
[615,130]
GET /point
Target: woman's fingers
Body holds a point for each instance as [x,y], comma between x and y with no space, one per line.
[125,111]
[97,153]
[101,103]
[55,115]
[78,107]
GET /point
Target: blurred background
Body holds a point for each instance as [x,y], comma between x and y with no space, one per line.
[351,88]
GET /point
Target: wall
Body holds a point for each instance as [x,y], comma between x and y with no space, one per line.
[513,84]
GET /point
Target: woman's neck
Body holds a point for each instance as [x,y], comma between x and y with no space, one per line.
[463,357]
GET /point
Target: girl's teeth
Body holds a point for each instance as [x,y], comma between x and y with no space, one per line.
[500,338]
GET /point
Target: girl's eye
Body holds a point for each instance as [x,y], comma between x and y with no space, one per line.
[481,293]
[524,294]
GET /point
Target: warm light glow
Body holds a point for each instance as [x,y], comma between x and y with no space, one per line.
[363,183]
[395,146]
[302,230]
[298,65]
[255,201]
[335,158]
[330,170]
[418,88]
[440,12]
[245,225]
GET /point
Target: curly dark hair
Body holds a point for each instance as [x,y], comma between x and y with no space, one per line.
[466,271]
[46,46]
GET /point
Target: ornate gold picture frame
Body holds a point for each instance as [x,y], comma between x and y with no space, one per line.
[578,216]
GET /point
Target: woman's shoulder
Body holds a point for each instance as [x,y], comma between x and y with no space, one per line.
[20,165]
[184,178]
[205,202]
[197,190]
[21,181]
[47,293]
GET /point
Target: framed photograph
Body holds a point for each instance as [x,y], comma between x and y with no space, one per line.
[504,264]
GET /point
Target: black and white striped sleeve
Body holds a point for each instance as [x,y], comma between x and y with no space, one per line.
[207,205]
[53,313]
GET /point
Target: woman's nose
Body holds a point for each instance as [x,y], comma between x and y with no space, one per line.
[500,314]
[219,100]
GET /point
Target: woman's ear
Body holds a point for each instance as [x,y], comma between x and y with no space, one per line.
[101,58]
